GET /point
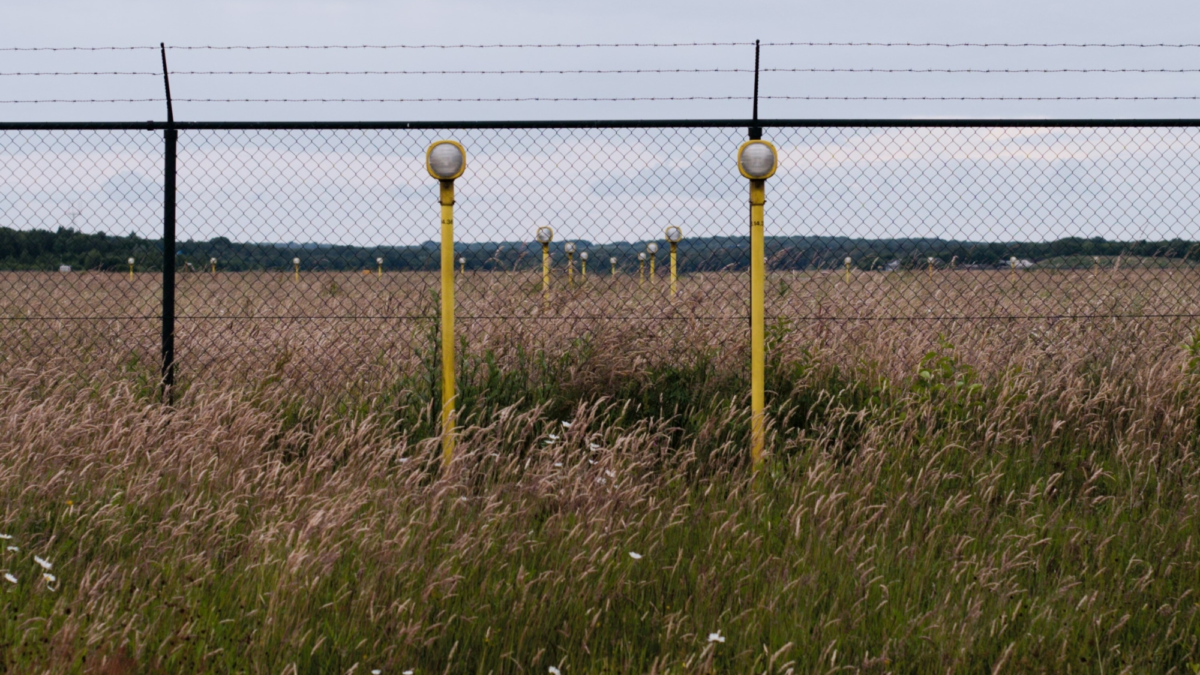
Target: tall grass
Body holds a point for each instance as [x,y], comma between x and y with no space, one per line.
[984,496]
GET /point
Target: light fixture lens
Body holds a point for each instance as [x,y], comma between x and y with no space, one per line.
[212,260]
[641,256]
[569,247]
[446,160]
[848,260]
[545,235]
[674,234]
[757,159]
[379,261]
[583,255]
[295,261]
[462,261]
[612,261]
[652,248]
[131,261]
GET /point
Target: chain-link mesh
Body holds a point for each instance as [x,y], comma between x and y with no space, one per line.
[63,294]
[313,252]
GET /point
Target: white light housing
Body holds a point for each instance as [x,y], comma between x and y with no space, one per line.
[569,247]
[212,260]
[379,261]
[583,255]
[642,256]
[131,261]
[462,261]
[295,261]
[446,160]
[652,248]
[674,234]
[929,260]
[848,261]
[545,235]
[612,260]
[757,159]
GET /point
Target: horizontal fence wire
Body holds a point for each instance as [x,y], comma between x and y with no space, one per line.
[310,251]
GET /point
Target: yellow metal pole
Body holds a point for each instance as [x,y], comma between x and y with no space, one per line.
[297,272]
[583,269]
[613,262]
[652,257]
[758,280]
[641,273]
[847,270]
[448,390]
[214,266]
[546,271]
[131,271]
[570,270]
[674,287]
[379,271]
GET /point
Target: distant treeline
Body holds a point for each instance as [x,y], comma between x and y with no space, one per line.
[46,250]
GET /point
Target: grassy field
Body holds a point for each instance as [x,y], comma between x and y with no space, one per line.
[963,476]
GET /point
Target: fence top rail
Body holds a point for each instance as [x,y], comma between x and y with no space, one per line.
[604,124]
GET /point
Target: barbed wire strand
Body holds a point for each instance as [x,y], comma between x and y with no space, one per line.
[617,71]
[467,46]
[1101,45]
[593,99]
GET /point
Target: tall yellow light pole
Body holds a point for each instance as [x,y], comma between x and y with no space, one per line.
[757,161]
[641,269]
[651,251]
[544,236]
[446,161]
[379,268]
[848,261]
[213,262]
[131,269]
[583,256]
[930,272]
[569,248]
[296,266]
[613,262]
[674,236]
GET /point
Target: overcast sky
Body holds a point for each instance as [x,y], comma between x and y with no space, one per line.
[258,22]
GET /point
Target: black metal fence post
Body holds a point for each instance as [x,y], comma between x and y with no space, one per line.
[170,139]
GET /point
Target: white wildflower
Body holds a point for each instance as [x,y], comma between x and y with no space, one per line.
[10,578]
[49,577]
[553,670]
[43,562]
[5,536]
[610,474]
[716,637]
[14,549]
[407,672]
[635,556]
[593,446]
[558,464]
[376,671]
[402,459]
[566,425]
[553,437]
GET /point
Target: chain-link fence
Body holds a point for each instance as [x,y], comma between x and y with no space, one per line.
[312,249]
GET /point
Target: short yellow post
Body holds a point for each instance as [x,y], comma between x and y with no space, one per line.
[213,262]
[848,261]
[674,236]
[641,269]
[445,161]
[296,266]
[651,252]
[613,262]
[569,247]
[544,236]
[379,268]
[462,265]
[1012,264]
[930,272]
[131,269]
[757,160]
[583,256]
